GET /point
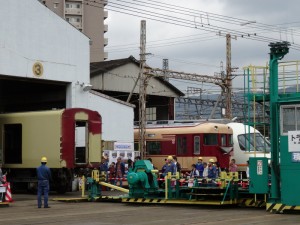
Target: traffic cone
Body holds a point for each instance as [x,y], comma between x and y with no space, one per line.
[8,195]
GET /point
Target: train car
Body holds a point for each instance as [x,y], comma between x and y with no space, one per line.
[188,141]
[69,138]
[248,142]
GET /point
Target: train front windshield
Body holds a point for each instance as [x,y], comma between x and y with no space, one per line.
[255,141]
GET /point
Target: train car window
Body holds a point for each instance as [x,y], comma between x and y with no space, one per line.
[223,139]
[13,143]
[288,119]
[230,140]
[197,145]
[210,139]
[181,145]
[257,142]
[153,148]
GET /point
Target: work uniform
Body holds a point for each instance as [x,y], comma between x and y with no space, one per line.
[169,167]
[44,176]
[212,172]
[200,168]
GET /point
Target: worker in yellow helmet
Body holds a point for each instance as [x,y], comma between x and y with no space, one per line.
[200,166]
[212,170]
[44,177]
[169,166]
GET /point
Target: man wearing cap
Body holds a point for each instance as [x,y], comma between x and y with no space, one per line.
[212,170]
[170,166]
[200,167]
[44,176]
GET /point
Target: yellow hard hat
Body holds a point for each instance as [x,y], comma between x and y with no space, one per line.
[211,160]
[170,157]
[43,159]
[200,158]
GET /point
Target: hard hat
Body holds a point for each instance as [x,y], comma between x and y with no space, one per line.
[170,157]
[43,159]
[200,158]
[212,160]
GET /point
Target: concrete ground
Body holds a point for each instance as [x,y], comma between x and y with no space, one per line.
[24,211]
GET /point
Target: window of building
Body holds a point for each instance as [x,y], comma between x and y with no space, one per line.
[210,139]
[78,6]
[153,147]
[151,113]
[55,5]
[197,145]
[181,145]
[290,118]
[68,6]
[68,19]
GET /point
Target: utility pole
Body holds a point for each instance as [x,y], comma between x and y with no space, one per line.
[228,80]
[142,90]
[165,68]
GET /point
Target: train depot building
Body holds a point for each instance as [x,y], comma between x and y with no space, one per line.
[44,72]
[117,79]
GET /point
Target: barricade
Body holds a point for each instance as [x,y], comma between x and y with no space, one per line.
[8,195]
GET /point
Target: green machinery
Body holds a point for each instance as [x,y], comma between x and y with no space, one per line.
[279,92]
[143,184]
[142,180]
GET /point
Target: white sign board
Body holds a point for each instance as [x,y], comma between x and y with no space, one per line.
[294,141]
[259,167]
[123,146]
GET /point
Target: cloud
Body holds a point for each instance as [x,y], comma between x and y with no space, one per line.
[188,50]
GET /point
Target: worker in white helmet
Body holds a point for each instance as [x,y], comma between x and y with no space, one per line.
[44,177]
[212,170]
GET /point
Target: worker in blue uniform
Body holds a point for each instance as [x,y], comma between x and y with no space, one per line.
[212,170]
[200,166]
[44,177]
[169,166]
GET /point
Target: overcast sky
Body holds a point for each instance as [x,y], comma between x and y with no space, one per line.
[196,49]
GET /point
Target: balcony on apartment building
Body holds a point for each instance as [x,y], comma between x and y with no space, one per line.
[105,56]
[105,28]
[105,41]
[105,14]
[73,11]
[75,23]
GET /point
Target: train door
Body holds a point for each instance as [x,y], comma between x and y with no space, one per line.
[81,142]
[181,145]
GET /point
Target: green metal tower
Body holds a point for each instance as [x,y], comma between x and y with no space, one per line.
[278,51]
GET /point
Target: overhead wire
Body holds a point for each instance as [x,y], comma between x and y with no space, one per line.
[187,23]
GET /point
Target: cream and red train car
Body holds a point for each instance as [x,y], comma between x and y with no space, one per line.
[69,138]
[188,141]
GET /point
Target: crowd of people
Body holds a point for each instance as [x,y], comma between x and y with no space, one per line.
[199,170]
[116,171]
